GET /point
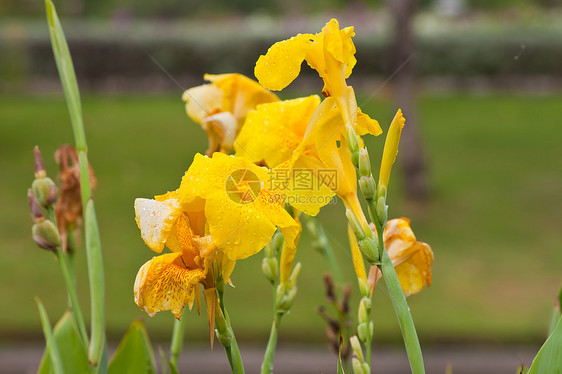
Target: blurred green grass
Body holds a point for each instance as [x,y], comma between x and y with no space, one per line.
[492,220]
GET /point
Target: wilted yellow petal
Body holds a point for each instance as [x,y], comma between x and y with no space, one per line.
[240,93]
[415,273]
[282,62]
[155,220]
[391,148]
[273,131]
[203,101]
[164,283]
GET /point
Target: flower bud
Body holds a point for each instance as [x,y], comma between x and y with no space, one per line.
[45,191]
[381,191]
[355,225]
[269,268]
[277,242]
[356,347]
[352,144]
[382,210]
[367,186]
[38,163]
[34,207]
[363,332]
[46,235]
[363,314]
[364,287]
[364,163]
[370,250]
[295,274]
[357,366]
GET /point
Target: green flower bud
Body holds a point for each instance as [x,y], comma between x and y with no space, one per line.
[295,274]
[46,235]
[356,347]
[357,366]
[363,315]
[269,268]
[370,250]
[352,144]
[381,192]
[364,163]
[45,191]
[355,225]
[363,332]
[382,210]
[367,186]
[366,368]
[277,242]
[364,288]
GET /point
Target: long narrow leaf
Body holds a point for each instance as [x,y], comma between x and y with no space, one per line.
[71,347]
[50,340]
[134,354]
[549,358]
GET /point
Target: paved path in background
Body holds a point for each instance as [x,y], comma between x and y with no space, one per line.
[24,359]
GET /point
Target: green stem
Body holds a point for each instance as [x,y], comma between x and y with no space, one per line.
[69,280]
[409,334]
[267,364]
[177,339]
[75,306]
[93,245]
[229,343]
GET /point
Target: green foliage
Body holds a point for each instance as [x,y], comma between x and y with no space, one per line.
[549,358]
[134,354]
[71,348]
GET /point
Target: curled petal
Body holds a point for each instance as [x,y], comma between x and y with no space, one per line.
[282,62]
[367,125]
[156,220]
[415,273]
[164,283]
[203,101]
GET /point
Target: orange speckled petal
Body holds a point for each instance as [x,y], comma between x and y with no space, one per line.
[282,63]
[164,283]
[156,220]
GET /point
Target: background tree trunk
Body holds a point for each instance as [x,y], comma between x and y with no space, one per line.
[411,154]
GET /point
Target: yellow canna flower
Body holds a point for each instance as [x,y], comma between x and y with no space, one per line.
[170,281]
[412,260]
[332,54]
[241,210]
[221,107]
[391,147]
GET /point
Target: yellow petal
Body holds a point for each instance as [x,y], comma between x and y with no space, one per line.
[415,273]
[273,131]
[282,63]
[366,125]
[240,93]
[203,101]
[164,283]
[289,250]
[358,263]
[391,148]
[155,220]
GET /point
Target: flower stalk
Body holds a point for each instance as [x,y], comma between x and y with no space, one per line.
[225,334]
[378,212]
[93,245]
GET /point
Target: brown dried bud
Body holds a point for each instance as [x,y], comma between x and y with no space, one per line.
[330,292]
[34,207]
[39,168]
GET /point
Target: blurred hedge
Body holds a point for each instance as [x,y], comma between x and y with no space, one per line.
[108,53]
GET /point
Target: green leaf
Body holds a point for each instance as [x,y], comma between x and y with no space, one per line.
[134,354]
[71,348]
[52,348]
[549,358]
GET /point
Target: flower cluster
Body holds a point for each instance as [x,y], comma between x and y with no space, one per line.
[227,207]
